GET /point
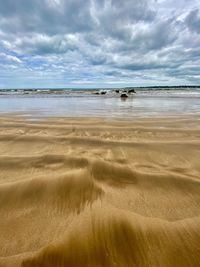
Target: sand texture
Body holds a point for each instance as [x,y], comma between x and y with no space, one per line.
[99,193]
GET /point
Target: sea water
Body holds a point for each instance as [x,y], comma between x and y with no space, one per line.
[75,103]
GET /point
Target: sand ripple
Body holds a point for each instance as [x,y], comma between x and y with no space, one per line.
[88,192]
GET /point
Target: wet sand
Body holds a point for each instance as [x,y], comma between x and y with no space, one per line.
[92,192]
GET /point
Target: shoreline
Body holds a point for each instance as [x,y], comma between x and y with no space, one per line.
[109,105]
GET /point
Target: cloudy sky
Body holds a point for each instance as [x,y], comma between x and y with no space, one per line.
[99,43]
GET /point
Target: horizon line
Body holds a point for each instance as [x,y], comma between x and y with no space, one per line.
[96,88]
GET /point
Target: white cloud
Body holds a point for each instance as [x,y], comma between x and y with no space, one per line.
[9,58]
[102,41]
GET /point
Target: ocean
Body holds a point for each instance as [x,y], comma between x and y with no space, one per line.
[84,103]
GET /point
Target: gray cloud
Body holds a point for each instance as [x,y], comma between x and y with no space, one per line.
[46,16]
[40,44]
[193,20]
[93,40]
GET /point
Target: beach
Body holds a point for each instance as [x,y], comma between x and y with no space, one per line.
[92,192]
[99,133]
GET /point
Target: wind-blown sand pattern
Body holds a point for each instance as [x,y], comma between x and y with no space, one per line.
[91,192]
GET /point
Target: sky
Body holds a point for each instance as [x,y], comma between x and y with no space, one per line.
[99,43]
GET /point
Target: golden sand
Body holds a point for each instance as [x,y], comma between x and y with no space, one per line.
[99,193]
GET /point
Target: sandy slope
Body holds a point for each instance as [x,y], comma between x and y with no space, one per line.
[90,192]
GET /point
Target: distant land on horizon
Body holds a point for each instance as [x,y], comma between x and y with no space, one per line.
[106,88]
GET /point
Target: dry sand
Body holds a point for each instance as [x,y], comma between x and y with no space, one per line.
[91,192]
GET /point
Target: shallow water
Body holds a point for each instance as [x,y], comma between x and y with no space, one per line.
[144,104]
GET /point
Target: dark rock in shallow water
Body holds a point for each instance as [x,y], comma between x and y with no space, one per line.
[116,91]
[100,93]
[124,95]
[131,91]
[103,92]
